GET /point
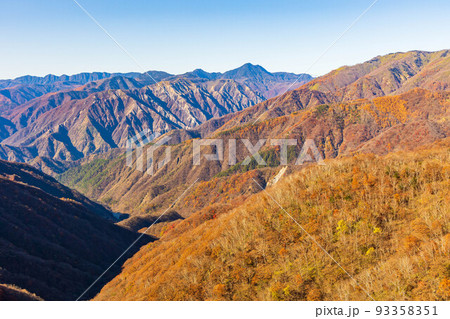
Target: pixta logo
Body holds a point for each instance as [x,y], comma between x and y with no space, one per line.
[309,148]
[144,161]
[135,145]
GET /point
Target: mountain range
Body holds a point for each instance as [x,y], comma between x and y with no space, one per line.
[68,117]
[257,78]
[391,74]
[400,111]
[379,205]
[380,125]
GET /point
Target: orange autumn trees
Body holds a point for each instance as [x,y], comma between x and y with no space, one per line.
[389,230]
[388,110]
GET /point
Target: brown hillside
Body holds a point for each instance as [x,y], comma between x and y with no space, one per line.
[53,242]
[390,74]
[385,124]
[384,219]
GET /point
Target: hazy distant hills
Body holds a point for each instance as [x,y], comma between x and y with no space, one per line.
[68,117]
[17,91]
[81,78]
[22,89]
[257,78]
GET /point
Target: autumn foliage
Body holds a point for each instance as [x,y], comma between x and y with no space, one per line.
[384,219]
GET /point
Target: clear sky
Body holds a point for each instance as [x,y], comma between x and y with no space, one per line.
[55,36]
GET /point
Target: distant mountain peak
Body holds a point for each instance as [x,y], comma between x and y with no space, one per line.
[247,70]
[203,74]
[251,65]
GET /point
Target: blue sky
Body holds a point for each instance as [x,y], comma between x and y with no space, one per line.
[55,36]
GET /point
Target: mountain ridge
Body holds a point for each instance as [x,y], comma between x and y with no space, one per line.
[256,77]
[34,128]
[382,127]
[106,119]
[374,78]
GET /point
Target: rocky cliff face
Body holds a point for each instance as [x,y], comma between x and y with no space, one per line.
[70,125]
[64,118]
